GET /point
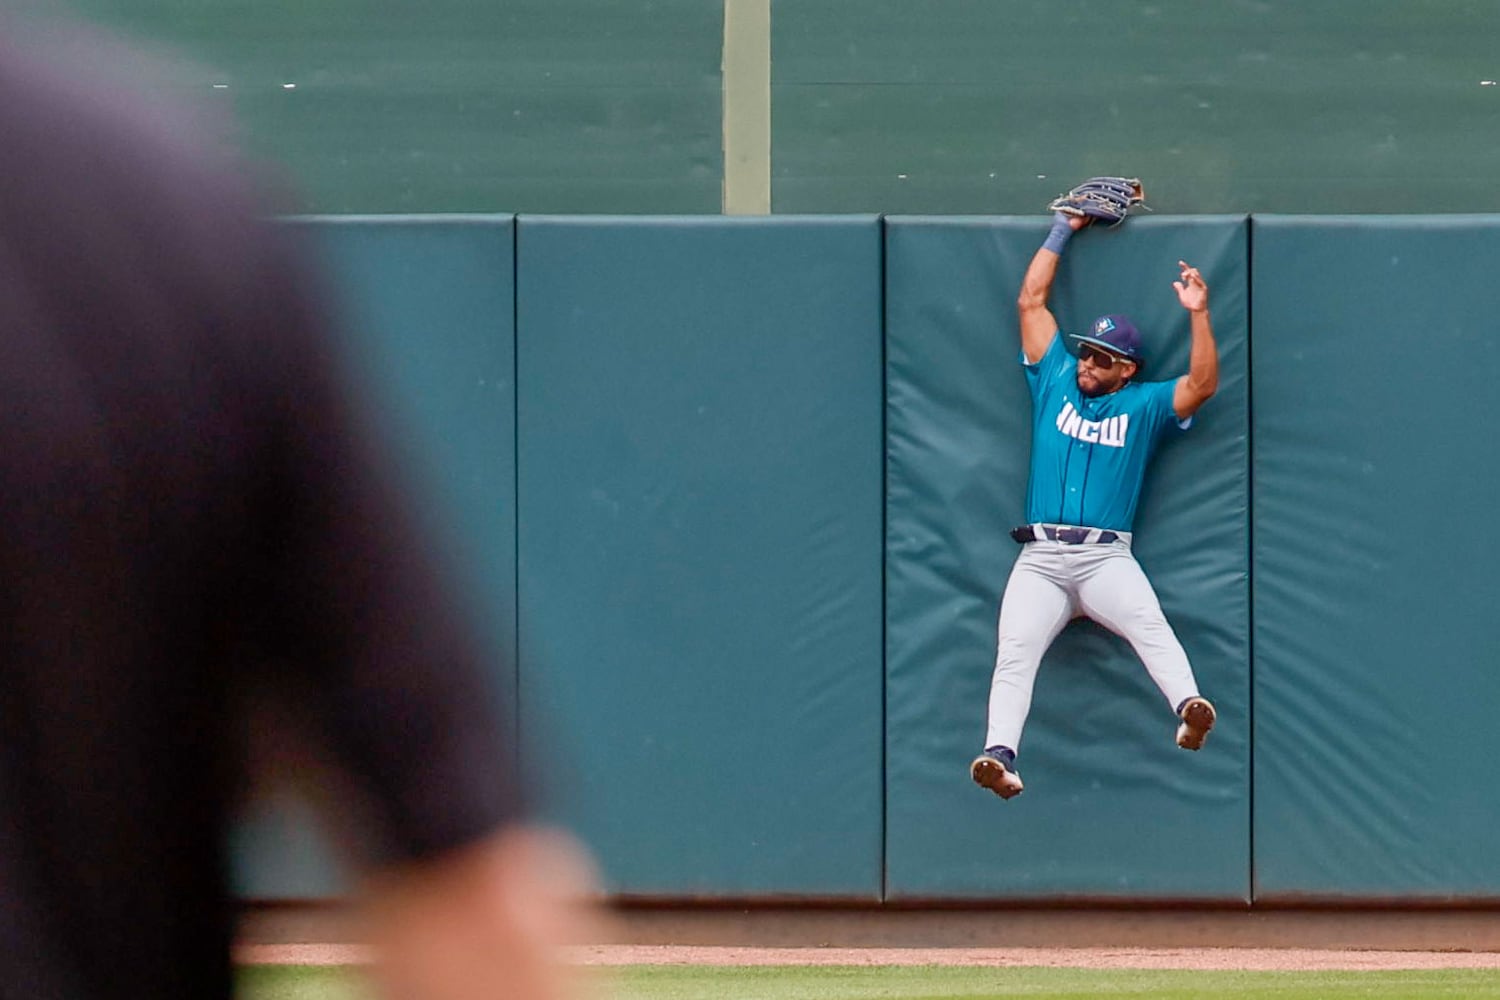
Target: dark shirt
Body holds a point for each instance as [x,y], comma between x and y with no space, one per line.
[190,512]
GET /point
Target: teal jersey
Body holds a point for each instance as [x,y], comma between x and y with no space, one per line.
[1089,456]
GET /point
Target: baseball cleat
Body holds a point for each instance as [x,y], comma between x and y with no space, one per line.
[1197,719]
[990,770]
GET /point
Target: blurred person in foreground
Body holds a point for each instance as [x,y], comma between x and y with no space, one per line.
[194,518]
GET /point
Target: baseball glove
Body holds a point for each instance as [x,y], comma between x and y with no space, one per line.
[1104,199]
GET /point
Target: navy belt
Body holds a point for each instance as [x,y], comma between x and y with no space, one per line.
[1065,534]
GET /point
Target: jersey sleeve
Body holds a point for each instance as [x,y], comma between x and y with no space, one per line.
[1054,363]
[1164,419]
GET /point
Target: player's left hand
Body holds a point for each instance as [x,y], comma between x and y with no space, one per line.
[1192,291]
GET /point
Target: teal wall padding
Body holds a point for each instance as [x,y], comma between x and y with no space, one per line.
[1112,808]
[426,309]
[281,850]
[458,105]
[700,534]
[1375,485]
[694,493]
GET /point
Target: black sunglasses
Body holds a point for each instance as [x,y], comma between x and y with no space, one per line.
[1100,359]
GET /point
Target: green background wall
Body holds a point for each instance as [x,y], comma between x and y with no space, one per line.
[1112,808]
[971,106]
[937,107]
[458,105]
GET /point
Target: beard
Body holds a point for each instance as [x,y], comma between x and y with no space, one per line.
[1090,389]
[1099,386]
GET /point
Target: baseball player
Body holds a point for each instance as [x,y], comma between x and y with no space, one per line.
[1094,428]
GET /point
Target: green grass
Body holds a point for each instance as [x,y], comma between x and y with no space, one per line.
[839,982]
[299,982]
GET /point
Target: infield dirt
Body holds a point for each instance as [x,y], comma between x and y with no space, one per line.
[1254,959]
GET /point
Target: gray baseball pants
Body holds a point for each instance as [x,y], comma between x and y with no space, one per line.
[1053,582]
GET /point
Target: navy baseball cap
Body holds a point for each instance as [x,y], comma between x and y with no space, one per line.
[1115,334]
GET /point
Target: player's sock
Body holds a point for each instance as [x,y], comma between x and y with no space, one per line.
[1004,753]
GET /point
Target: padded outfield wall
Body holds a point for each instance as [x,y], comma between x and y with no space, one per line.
[700,517]
[1377,668]
[735,493]
[1113,809]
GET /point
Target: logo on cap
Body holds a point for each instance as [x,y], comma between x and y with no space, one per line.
[1104,325]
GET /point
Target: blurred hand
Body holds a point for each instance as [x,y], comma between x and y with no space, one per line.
[487,921]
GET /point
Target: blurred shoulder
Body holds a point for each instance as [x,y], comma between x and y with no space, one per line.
[102,137]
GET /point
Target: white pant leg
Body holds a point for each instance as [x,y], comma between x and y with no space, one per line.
[1116,593]
[1037,604]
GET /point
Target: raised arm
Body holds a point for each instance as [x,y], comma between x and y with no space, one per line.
[1038,325]
[1202,379]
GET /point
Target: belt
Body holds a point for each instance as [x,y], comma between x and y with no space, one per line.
[1065,533]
